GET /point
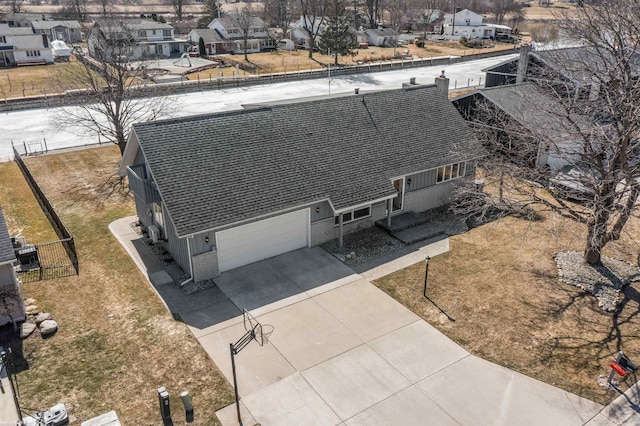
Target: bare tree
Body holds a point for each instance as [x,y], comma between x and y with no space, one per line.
[374,12]
[178,7]
[278,14]
[244,22]
[74,9]
[13,6]
[596,90]
[110,86]
[313,20]
[500,9]
[428,12]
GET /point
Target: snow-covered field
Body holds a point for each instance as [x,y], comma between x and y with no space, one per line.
[31,127]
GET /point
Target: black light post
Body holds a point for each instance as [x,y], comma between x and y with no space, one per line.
[426,274]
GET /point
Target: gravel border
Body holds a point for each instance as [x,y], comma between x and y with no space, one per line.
[169,265]
[604,281]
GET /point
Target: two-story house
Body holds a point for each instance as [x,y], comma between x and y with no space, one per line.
[147,38]
[230,29]
[468,24]
[20,46]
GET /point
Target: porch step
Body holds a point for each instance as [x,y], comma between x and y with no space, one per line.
[402,221]
[419,233]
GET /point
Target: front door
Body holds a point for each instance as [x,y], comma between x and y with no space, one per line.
[399,200]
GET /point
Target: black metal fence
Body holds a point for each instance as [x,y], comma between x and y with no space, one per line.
[50,260]
[46,261]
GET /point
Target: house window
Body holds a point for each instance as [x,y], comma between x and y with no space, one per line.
[154,32]
[158,219]
[33,53]
[142,34]
[3,39]
[353,215]
[452,171]
[166,33]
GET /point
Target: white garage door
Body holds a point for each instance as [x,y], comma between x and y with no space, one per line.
[260,240]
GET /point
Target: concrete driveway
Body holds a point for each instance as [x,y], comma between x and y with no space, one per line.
[345,353]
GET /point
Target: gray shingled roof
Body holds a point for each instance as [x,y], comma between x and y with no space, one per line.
[218,169]
[6,248]
[208,35]
[5,29]
[47,25]
[579,63]
[531,107]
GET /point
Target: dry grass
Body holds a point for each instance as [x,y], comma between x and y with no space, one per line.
[34,80]
[283,61]
[117,343]
[500,284]
[550,12]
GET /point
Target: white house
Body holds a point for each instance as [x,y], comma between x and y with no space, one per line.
[150,38]
[383,37]
[258,36]
[470,25]
[300,35]
[20,46]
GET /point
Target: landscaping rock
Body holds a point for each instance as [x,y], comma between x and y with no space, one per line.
[48,327]
[30,301]
[42,317]
[26,329]
[604,281]
[31,309]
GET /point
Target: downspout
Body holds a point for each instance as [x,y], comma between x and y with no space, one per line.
[188,280]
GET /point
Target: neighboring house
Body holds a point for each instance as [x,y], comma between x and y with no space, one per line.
[470,25]
[530,112]
[22,19]
[150,38]
[20,46]
[258,36]
[67,31]
[383,37]
[228,189]
[12,308]
[300,35]
[214,44]
[558,65]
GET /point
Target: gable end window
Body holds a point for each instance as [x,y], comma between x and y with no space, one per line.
[452,171]
[353,215]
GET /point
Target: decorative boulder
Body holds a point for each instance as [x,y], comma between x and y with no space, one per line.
[42,317]
[30,301]
[48,327]
[26,329]
[31,309]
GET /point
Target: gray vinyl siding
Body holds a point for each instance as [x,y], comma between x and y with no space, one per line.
[325,230]
[140,158]
[198,244]
[430,197]
[421,180]
[325,211]
[177,247]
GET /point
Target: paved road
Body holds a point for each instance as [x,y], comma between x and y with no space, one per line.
[34,126]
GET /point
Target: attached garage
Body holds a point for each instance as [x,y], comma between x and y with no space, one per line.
[263,239]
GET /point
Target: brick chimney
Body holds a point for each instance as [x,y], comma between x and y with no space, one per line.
[442,83]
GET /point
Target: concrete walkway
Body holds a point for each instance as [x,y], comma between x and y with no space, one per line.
[345,353]
[8,410]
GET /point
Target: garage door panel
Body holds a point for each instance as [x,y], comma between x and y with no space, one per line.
[263,239]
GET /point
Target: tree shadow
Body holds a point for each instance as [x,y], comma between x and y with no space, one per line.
[594,331]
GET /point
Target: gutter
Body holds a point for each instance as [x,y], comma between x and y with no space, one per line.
[188,280]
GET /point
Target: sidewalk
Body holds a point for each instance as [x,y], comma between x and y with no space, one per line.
[8,411]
